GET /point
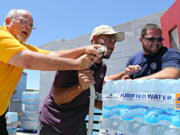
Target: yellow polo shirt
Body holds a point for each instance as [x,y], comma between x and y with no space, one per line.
[10,75]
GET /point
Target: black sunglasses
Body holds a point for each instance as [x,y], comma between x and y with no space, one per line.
[153,39]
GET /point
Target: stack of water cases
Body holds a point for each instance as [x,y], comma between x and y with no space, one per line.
[141,107]
[30,108]
[12,122]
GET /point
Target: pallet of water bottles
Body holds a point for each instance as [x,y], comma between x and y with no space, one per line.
[30,111]
[12,122]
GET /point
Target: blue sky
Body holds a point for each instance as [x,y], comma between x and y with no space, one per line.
[56,19]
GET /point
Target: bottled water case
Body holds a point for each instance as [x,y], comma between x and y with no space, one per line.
[141,107]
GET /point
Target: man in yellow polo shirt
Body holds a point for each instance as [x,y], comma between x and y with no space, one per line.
[15,55]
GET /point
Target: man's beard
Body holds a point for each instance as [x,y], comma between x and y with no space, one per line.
[21,39]
[148,50]
[107,56]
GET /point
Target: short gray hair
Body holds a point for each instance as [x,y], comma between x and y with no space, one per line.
[15,12]
[149,26]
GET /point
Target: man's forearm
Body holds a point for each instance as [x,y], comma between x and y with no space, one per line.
[74,53]
[167,73]
[38,61]
[117,76]
[66,95]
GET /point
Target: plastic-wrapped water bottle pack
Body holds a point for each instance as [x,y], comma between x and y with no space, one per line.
[141,107]
[30,108]
[12,122]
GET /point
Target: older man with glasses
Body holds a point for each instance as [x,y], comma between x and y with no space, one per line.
[15,55]
[155,61]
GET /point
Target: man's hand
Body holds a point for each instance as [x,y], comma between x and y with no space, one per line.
[102,50]
[93,50]
[85,79]
[84,62]
[132,69]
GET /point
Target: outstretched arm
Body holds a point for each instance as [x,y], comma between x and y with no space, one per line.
[77,52]
[65,95]
[59,60]
[38,61]
[130,70]
[117,76]
[166,73]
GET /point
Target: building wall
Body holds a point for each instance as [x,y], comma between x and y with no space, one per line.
[118,60]
[169,21]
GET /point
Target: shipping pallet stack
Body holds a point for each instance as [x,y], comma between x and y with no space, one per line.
[30,108]
[12,122]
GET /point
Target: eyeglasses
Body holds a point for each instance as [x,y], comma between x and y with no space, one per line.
[153,39]
[109,38]
[24,22]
